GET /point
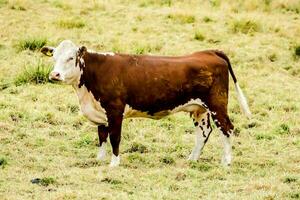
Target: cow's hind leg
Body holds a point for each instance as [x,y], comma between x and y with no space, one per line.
[102,134]
[217,101]
[202,132]
[222,121]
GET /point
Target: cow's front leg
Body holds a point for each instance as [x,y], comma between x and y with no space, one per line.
[102,134]
[115,126]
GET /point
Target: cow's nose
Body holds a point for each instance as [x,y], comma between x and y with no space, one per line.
[54,76]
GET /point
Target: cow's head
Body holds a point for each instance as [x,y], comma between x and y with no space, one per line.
[67,57]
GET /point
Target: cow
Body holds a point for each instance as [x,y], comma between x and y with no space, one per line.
[114,86]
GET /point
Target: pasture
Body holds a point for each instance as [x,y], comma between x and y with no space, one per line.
[43,138]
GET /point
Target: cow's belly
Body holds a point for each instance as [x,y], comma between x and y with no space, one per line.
[129,112]
[94,112]
[191,106]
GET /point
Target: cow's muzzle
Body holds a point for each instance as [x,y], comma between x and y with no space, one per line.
[55,76]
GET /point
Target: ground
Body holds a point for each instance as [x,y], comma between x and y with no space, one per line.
[43,137]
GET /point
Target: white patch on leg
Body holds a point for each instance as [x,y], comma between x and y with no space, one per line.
[199,143]
[115,161]
[227,157]
[200,138]
[102,152]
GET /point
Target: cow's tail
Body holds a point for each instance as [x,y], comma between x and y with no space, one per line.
[241,97]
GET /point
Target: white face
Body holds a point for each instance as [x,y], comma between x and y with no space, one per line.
[65,68]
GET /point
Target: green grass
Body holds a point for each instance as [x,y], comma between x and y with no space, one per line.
[295,195]
[37,74]
[245,26]
[146,3]
[31,44]
[290,180]
[204,167]
[283,129]
[45,181]
[43,136]
[137,147]
[199,36]
[297,50]
[3,162]
[71,23]
[18,7]
[207,19]
[62,5]
[167,160]
[182,18]
[3,2]
[264,137]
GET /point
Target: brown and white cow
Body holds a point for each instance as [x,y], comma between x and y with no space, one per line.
[111,87]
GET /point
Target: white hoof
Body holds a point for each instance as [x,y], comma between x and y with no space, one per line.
[227,156]
[226,160]
[115,161]
[193,157]
[101,155]
[102,152]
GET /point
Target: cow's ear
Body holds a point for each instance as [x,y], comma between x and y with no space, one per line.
[48,51]
[81,51]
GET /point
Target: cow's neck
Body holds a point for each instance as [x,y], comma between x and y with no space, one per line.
[87,65]
[89,105]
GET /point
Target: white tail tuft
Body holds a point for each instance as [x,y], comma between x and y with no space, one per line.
[242,101]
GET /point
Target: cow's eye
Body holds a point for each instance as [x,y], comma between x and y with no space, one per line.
[69,59]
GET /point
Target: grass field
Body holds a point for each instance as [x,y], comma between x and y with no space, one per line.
[43,136]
